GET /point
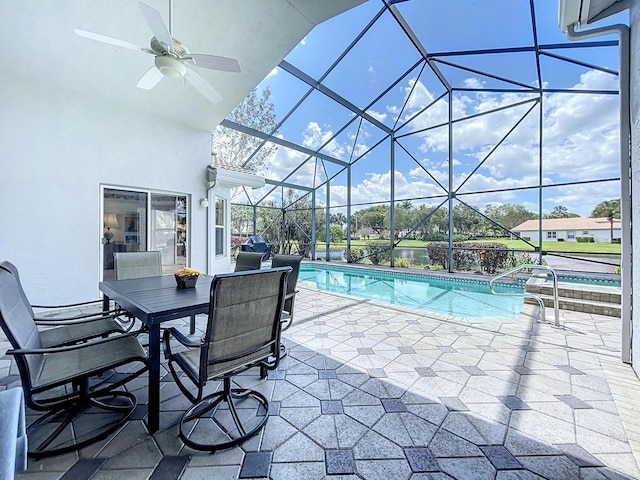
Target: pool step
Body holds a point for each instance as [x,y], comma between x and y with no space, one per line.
[577,298]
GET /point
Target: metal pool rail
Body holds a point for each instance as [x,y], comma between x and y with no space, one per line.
[556,310]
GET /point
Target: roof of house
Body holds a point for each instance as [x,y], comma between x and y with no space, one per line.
[574,223]
[217,163]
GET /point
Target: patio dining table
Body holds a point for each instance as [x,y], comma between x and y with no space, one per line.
[154,300]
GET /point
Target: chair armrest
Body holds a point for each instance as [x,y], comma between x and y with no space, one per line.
[89,302]
[66,348]
[85,317]
[180,337]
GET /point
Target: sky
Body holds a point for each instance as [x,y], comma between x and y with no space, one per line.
[493,153]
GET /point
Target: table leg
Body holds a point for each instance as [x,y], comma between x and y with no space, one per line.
[105,303]
[153,407]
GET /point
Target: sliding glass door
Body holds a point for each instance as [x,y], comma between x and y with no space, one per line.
[137,221]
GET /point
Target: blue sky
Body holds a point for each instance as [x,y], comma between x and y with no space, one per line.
[580,139]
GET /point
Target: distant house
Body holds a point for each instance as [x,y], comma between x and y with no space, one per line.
[569,229]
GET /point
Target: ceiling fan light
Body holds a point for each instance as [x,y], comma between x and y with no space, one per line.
[170,67]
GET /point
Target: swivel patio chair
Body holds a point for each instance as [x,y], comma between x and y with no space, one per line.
[139,265]
[248,261]
[67,330]
[293,261]
[243,331]
[59,380]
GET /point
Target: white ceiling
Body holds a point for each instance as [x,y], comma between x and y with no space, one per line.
[41,49]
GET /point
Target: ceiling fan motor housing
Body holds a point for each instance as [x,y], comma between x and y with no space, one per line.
[170,67]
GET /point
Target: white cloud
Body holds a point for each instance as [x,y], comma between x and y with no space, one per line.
[381,117]
[272,73]
[580,142]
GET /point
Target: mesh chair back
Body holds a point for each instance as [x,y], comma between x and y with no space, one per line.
[244,319]
[14,271]
[137,264]
[248,261]
[18,325]
[293,261]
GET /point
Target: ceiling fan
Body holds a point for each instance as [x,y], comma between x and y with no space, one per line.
[172,58]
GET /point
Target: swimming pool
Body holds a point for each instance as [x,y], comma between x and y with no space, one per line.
[451,296]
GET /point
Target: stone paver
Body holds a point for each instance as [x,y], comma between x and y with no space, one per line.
[374,391]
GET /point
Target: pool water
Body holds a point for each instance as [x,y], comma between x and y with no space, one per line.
[588,281]
[460,298]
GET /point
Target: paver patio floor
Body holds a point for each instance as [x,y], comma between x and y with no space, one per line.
[374,391]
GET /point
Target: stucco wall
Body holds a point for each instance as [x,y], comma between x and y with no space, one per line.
[635,174]
[55,150]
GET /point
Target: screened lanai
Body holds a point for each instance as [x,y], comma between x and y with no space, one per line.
[411,120]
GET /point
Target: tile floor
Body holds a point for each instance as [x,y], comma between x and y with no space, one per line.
[371,391]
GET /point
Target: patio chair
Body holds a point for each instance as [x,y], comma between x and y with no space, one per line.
[248,261]
[67,330]
[243,331]
[58,380]
[139,265]
[293,261]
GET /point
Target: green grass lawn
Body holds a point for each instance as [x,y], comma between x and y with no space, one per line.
[573,247]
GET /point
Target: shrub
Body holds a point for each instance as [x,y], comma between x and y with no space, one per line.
[403,262]
[491,256]
[560,239]
[357,254]
[584,239]
[378,252]
[615,240]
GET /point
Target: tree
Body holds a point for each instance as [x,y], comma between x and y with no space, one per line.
[560,212]
[337,234]
[241,220]
[231,146]
[338,219]
[404,217]
[508,215]
[606,209]
[374,218]
[466,220]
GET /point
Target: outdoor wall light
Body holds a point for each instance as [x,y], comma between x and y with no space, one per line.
[204,203]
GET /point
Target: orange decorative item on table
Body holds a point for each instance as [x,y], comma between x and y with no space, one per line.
[187,277]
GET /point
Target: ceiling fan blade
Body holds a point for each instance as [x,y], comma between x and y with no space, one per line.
[203,86]
[110,40]
[157,25]
[150,79]
[215,62]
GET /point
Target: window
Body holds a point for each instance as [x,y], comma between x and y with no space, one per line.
[137,221]
[551,235]
[571,235]
[220,230]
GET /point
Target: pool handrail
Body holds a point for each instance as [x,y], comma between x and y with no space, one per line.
[513,270]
